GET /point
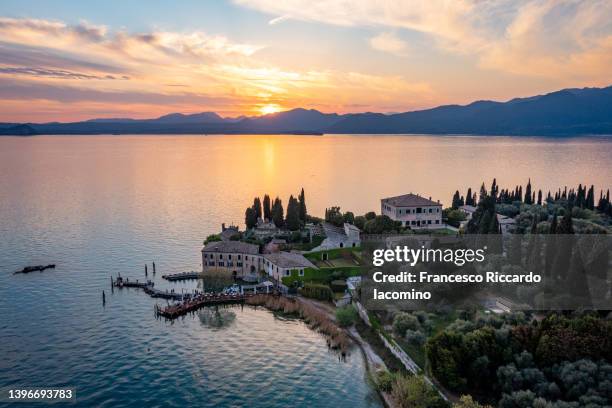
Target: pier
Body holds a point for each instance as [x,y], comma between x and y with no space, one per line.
[182,276]
[149,289]
[194,303]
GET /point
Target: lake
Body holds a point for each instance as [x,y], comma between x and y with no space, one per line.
[102,205]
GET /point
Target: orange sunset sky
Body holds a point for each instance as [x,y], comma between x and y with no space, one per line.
[67,61]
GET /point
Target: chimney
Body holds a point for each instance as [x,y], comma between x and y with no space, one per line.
[222,227]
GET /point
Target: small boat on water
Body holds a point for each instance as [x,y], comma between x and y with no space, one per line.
[37,268]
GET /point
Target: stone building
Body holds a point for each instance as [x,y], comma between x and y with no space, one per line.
[413,211]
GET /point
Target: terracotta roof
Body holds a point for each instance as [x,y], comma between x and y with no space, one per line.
[408,200]
[289,260]
[231,247]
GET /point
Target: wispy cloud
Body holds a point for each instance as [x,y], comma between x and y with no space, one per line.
[74,68]
[280,19]
[389,42]
[566,39]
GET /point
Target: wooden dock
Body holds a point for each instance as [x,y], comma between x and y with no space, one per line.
[182,276]
[194,303]
[149,288]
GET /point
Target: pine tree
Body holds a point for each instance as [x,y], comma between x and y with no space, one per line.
[267,209]
[302,200]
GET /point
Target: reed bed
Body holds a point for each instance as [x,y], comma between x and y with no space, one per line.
[316,319]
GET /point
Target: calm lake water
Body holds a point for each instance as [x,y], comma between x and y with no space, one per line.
[102,205]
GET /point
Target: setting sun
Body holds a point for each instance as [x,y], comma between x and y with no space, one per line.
[270,108]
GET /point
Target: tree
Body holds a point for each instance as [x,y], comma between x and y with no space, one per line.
[278,213]
[349,217]
[333,215]
[250,218]
[360,221]
[566,225]
[528,199]
[469,199]
[466,401]
[539,197]
[415,392]
[370,215]
[257,207]
[267,209]
[380,224]
[456,201]
[302,200]
[403,321]
[293,214]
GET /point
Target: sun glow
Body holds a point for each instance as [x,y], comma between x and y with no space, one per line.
[270,108]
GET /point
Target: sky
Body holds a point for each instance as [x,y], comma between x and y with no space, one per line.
[75,60]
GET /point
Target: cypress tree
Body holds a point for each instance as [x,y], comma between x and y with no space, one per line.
[468,197]
[539,197]
[278,215]
[257,207]
[293,214]
[267,209]
[302,200]
[528,193]
[566,225]
[456,203]
[250,218]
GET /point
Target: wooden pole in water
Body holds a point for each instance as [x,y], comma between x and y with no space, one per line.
[146,272]
[112,286]
[153,268]
[103,298]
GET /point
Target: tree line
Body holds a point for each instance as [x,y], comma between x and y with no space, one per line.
[273,211]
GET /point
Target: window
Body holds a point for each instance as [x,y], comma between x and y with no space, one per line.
[220,256]
[221,263]
[239,264]
[287,272]
[238,256]
[430,210]
[301,272]
[419,210]
[429,221]
[229,256]
[230,263]
[438,209]
[246,257]
[437,221]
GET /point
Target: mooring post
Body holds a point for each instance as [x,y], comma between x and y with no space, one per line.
[146,273]
[103,298]
[112,286]
[153,268]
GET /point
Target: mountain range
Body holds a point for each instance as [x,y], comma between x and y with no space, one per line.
[567,112]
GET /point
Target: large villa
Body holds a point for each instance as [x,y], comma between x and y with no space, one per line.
[413,211]
[240,260]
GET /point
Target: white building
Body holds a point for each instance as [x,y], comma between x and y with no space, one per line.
[232,259]
[413,211]
[280,264]
[347,236]
[507,224]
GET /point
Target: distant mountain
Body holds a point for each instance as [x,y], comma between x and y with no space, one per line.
[566,112]
[563,113]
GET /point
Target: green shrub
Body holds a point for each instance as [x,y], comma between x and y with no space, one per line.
[405,321]
[317,291]
[385,380]
[346,316]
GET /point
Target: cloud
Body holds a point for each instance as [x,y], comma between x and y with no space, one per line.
[389,42]
[54,73]
[568,40]
[280,19]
